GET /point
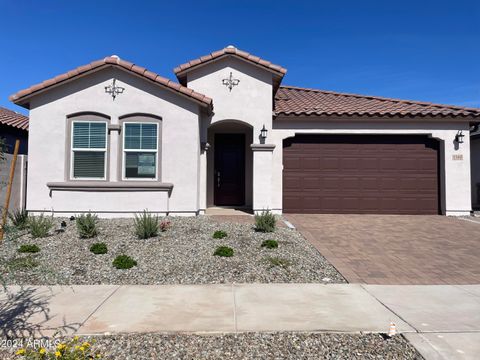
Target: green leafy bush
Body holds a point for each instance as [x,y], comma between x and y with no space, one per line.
[265,222]
[40,226]
[19,218]
[270,244]
[219,234]
[99,248]
[146,225]
[124,262]
[87,225]
[28,248]
[223,251]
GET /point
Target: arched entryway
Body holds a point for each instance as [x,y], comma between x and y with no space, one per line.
[230,165]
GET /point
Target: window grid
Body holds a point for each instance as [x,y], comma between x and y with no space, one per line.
[88,147]
[140,148]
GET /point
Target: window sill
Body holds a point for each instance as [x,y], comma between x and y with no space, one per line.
[110,186]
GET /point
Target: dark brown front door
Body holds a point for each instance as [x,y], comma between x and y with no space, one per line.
[367,174]
[229,174]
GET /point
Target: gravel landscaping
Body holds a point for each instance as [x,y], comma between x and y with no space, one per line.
[183,254]
[250,346]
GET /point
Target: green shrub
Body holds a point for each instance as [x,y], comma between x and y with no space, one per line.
[87,225]
[223,251]
[265,222]
[124,262]
[40,226]
[22,263]
[219,234]
[274,261]
[19,219]
[28,248]
[270,244]
[146,225]
[99,248]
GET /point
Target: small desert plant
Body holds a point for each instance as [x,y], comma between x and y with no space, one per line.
[219,234]
[270,244]
[87,225]
[124,262]
[19,218]
[146,225]
[274,261]
[21,263]
[164,225]
[28,248]
[265,222]
[40,226]
[223,251]
[69,350]
[99,248]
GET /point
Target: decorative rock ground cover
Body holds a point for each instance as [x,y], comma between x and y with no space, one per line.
[249,346]
[183,254]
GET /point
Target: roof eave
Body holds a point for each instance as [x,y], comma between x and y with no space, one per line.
[24,100]
[378,117]
[181,74]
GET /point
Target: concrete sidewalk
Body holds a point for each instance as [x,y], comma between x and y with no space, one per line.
[419,311]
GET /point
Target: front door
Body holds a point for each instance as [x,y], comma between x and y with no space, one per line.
[229,172]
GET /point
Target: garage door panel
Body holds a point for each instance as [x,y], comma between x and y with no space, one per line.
[361,174]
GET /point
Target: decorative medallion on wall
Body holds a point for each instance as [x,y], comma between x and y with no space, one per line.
[114,90]
[230,82]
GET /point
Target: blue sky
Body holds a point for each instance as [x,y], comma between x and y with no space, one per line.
[421,50]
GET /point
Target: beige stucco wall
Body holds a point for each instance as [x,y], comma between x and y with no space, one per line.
[180,144]
[250,102]
[454,174]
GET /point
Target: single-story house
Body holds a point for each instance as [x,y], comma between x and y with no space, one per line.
[115,138]
[13,127]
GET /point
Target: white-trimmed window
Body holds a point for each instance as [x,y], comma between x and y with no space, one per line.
[89,150]
[140,150]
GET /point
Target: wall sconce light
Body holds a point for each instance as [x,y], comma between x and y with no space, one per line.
[263,132]
[459,137]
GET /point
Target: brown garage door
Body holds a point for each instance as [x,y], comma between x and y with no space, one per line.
[369,174]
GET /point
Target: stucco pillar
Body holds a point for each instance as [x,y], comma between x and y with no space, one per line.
[458,200]
[202,193]
[114,133]
[262,176]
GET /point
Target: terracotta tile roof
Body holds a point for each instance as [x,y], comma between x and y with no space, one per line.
[230,51]
[113,60]
[291,100]
[13,119]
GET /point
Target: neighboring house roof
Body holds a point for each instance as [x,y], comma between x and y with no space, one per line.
[230,50]
[13,119]
[291,100]
[21,96]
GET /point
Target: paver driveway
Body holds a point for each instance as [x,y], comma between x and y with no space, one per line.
[391,249]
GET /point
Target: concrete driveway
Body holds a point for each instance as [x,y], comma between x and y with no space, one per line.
[391,249]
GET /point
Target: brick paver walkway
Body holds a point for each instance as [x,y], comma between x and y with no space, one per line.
[390,249]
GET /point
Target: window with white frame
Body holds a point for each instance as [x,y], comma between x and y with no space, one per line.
[140,150]
[89,150]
